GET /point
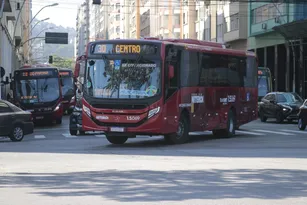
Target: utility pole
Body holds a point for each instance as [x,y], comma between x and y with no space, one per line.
[138,32]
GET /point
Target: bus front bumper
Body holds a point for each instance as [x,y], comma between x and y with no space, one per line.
[153,126]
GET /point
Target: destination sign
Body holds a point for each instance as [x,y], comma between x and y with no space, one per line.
[124,49]
[65,73]
[39,73]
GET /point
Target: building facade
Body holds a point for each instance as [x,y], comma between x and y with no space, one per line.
[82,29]
[277,38]
[14,33]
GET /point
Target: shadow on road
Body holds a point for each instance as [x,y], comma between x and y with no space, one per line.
[144,185]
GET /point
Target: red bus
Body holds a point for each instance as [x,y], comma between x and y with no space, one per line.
[38,89]
[167,87]
[68,90]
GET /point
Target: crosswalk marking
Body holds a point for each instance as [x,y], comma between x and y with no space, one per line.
[274,132]
[69,136]
[249,133]
[200,133]
[39,136]
[295,131]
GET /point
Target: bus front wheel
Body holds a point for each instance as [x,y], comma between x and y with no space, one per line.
[182,135]
[116,139]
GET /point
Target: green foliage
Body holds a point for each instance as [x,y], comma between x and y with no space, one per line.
[63,62]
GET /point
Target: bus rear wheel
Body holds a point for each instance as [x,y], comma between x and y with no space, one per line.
[116,139]
[230,131]
[182,134]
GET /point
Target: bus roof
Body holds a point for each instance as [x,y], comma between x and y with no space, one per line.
[188,44]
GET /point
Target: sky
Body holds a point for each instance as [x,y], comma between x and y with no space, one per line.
[64,14]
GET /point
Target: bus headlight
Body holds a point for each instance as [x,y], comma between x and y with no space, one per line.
[57,107]
[87,110]
[153,112]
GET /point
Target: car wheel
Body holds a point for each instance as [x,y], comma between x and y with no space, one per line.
[301,124]
[17,133]
[116,139]
[262,117]
[59,121]
[73,132]
[182,134]
[279,118]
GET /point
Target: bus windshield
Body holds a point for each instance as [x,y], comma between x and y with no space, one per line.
[68,86]
[263,85]
[124,79]
[38,90]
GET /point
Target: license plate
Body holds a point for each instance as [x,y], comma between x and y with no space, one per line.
[39,117]
[117,129]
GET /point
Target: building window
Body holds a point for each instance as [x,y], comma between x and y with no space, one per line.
[234,22]
[117,29]
[220,31]
[207,34]
[266,12]
[117,5]
[117,17]
[176,20]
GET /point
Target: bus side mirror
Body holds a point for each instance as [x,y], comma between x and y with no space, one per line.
[171,72]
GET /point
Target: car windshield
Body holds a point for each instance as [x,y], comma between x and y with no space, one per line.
[289,98]
[127,78]
[37,90]
[263,85]
[68,86]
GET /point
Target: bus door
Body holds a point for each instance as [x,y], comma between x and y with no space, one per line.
[171,85]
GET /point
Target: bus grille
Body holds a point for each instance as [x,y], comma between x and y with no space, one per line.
[119,124]
[120,106]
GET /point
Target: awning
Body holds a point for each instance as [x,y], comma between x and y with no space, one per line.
[7,6]
[293,30]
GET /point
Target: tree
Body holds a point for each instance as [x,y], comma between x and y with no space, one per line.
[63,62]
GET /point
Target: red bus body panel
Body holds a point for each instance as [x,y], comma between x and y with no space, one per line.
[209,115]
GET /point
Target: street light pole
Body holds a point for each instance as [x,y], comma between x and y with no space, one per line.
[55,4]
[38,23]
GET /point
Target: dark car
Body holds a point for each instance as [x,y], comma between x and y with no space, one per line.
[14,122]
[280,105]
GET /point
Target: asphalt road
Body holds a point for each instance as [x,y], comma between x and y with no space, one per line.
[264,164]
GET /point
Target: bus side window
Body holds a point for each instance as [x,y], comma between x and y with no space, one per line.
[189,72]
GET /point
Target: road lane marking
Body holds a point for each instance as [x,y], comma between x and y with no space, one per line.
[49,129]
[100,136]
[295,131]
[39,136]
[249,133]
[274,132]
[69,136]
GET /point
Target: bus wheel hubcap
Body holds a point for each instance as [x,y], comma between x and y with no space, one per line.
[180,130]
[230,125]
